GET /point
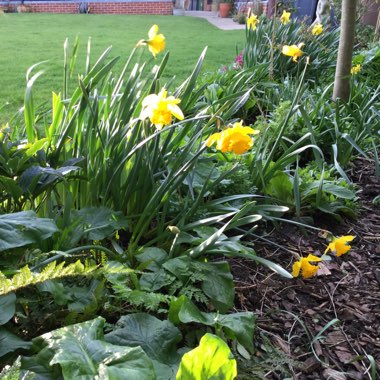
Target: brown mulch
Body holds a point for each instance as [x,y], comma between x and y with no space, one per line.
[291,313]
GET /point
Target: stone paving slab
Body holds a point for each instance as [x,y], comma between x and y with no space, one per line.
[214,19]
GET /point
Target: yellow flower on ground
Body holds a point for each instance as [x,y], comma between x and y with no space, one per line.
[356,69]
[252,22]
[339,245]
[317,29]
[160,109]
[304,267]
[293,51]
[285,17]
[235,139]
[156,42]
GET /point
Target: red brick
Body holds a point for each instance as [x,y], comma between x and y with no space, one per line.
[164,8]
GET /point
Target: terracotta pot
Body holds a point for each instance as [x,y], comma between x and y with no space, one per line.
[225,9]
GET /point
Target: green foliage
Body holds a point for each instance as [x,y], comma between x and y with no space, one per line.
[204,282]
[317,191]
[25,178]
[84,345]
[212,359]
[8,307]
[238,326]
[157,338]
[23,228]
[264,46]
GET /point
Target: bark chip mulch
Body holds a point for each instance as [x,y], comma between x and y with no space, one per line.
[298,318]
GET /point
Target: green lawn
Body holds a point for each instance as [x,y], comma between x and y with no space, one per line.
[26,39]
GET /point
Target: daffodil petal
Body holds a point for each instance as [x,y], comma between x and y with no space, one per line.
[150,100]
[176,111]
[296,269]
[153,31]
[313,258]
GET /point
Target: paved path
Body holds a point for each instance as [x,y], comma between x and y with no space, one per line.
[214,19]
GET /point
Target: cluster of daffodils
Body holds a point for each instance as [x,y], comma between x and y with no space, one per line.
[307,266]
[235,139]
[159,108]
[293,51]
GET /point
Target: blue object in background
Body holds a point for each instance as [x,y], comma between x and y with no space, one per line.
[305,9]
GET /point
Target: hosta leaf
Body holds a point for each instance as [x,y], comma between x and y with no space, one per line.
[100,222]
[36,179]
[81,352]
[211,360]
[10,342]
[22,228]
[152,258]
[7,307]
[219,285]
[157,338]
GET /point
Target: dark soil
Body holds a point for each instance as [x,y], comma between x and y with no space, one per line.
[326,327]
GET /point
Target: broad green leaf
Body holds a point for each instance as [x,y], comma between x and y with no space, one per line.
[157,338]
[219,285]
[39,364]
[152,258]
[131,365]
[218,281]
[7,307]
[10,187]
[81,352]
[238,326]
[37,179]
[211,360]
[22,228]
[280,187]
[100,222]
[10,342]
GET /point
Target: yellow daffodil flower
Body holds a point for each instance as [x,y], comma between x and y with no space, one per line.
[339,245]
[356,69]
[160,109]
[317,29]
[285,17]
[235,139]
[156,42]
[304,267]
[252,22]
[293,51]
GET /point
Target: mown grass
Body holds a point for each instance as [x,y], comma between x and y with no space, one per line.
[26,39]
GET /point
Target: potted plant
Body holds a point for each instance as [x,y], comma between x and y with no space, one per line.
[225,8]
[22,8]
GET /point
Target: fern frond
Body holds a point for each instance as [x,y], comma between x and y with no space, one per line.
[50,272]
[148,300]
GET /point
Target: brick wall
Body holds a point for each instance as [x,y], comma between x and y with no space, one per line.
[103,7]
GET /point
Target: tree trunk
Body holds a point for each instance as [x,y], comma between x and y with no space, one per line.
[346,45]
